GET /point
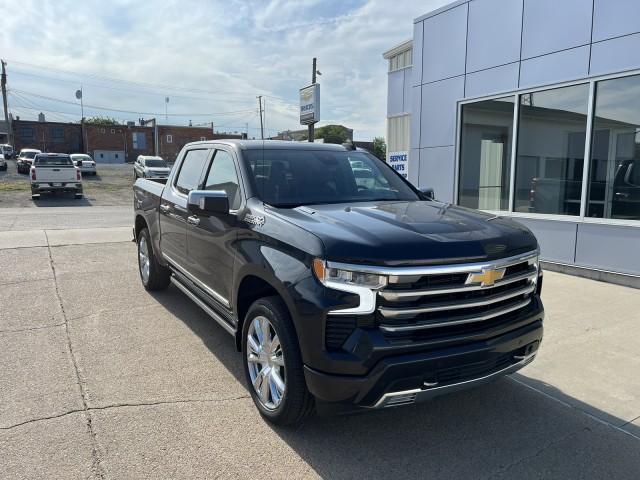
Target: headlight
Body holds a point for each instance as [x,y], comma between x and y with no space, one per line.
[362,283]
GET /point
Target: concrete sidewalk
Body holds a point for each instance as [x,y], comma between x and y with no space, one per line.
[101,379]
[59,218]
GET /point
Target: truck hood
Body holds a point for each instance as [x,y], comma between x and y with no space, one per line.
[409,233]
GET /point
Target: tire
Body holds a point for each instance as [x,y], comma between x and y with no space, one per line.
[157,277]
[296,403]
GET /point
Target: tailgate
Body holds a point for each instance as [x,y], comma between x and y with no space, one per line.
[57,174]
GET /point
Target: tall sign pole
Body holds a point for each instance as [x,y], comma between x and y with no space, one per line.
[261,124]
[3,82]
[312,126]
[310,104]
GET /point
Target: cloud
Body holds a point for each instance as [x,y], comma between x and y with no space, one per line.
[232,50]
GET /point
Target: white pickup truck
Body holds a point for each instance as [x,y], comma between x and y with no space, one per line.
[55,172]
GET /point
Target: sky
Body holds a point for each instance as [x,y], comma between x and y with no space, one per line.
[210,58]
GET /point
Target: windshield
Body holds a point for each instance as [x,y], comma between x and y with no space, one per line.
[29,154]
[85,158]
[53,160]
[155,163]
[289,178]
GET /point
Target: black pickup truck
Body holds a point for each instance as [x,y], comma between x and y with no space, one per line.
[341,290]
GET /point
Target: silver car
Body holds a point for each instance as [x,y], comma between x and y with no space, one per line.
[84,162]
[148,166]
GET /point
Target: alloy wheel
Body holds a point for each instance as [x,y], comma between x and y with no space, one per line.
[265,361]
[143,259]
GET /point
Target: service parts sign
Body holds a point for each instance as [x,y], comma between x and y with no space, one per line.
[399,161]
[310,104]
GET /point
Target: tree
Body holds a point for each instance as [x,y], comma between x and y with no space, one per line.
[333,134]
[103,121]
[380,148]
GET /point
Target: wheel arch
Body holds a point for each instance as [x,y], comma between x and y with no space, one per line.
[252,286]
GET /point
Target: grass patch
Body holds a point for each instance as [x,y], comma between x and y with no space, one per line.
[14,186]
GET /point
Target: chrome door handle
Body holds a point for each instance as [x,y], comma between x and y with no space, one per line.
[165,208]
[193,220]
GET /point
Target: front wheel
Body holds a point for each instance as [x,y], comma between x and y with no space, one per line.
[153,275]
[273,364]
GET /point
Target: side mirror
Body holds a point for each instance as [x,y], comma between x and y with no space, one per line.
[208,201]
[79,163]
[428,192]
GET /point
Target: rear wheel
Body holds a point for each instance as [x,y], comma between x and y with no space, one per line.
[273,364]
[153,275]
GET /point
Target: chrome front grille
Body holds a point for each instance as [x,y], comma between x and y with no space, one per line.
[431,297]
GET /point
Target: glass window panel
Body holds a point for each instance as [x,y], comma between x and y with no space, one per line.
[614,170]
[550,159]
[222,176]
[485,154]
[190,170]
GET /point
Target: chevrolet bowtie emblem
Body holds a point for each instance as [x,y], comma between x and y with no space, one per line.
[487,278]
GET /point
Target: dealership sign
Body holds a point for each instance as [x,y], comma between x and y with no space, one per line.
[399,161]
[310,104]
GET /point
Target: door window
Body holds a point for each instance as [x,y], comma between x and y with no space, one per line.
[223,176]
[190,170]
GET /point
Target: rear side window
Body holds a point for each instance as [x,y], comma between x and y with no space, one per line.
[190,170]
[222,176]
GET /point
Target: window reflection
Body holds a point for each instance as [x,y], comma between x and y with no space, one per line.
[614,174]
[485,154]
[550,153]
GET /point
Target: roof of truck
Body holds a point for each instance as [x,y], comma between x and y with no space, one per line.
[273,145]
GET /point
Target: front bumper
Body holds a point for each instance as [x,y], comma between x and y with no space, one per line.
[409,378]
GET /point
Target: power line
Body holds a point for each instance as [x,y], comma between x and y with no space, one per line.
[136,112]
[159,86]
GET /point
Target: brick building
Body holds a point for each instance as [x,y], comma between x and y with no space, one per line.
[46,136]
[109,143]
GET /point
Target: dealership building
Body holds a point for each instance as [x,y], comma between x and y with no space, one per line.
[529,109]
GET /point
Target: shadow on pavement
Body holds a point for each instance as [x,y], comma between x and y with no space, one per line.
[61,200]
[502,430]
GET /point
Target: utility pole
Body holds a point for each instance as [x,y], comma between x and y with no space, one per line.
[4,103]
[261,125]
[82,132]
[166,115]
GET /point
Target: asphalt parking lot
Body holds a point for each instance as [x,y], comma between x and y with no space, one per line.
[110,186]
[101,379]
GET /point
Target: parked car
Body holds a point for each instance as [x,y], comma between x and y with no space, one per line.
[55,172]
[336,293]
[3,163]
[147,166]
[25,159]
[84,162]
[6,150]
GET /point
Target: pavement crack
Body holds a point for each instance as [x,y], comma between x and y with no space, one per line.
[124,405]
[40,419]
[630,421]
[170,402]
[17,330]
[96,466]
[537,453]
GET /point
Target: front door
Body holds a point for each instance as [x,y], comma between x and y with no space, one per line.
[211,238]
[173,206]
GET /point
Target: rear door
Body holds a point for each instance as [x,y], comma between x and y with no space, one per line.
[173,205]
[211,238]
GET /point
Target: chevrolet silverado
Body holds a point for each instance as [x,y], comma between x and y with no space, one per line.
[340,289]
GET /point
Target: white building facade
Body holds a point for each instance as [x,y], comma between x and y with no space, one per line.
[529,109]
